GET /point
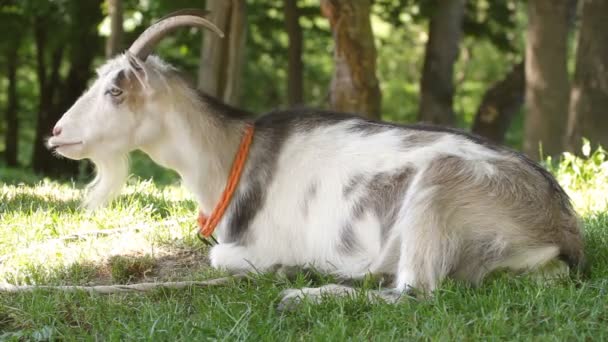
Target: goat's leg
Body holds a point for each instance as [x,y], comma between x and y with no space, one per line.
[233,258]
[428,248]
[291,298]
[419,267]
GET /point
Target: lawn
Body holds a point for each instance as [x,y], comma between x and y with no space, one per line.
[148,234]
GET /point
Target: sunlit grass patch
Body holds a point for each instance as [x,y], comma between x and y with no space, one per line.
[44,229]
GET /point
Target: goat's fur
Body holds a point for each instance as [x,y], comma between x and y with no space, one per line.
[345,195]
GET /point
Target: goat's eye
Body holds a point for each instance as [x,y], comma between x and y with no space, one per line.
[115,91]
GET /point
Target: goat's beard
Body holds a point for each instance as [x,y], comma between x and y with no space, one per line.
[110,175]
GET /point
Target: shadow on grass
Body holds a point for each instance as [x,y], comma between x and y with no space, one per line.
[15,176]
[596,240]
[77,273]
[123,268]
[162,204]
[24,202]
[28,202]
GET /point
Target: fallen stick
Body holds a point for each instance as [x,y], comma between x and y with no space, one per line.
[109,289]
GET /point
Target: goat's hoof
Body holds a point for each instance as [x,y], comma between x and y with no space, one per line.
[389,296]
[290,300]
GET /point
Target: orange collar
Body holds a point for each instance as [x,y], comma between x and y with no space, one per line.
[207,224]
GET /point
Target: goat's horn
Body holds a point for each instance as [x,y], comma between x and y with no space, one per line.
[145,43]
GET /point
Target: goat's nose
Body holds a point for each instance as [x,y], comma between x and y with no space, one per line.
[56,130]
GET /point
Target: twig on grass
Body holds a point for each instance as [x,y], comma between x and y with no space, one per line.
[109,289]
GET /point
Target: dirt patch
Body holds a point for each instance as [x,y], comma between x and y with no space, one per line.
[179,265]
[165,265]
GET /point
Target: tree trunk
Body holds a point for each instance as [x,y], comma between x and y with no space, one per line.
[500,104]
[589,96]
[222,59]
[12,121]
[81,56]
[295,68]
[354,86]
[114,41]
[436,87]
[56,96]
[47,86]
[547,85]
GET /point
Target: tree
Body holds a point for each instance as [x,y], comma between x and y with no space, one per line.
[436,86]
[222,59]
[547,85]
[115,39]
[80,43]
[295,66]
[500,104]
[48,83]
[354,86]
[11,141]
[12,21]
[589,96]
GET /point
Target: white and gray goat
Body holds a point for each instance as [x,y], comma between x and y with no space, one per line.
[341,194]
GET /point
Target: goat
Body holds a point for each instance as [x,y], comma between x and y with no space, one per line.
[342,194]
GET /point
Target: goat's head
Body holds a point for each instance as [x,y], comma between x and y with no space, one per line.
[122,109]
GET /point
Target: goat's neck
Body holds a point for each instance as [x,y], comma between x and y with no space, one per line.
[201,148]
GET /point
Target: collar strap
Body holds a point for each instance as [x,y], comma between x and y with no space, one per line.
[207,224]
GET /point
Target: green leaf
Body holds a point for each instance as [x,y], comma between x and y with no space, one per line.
[586,149]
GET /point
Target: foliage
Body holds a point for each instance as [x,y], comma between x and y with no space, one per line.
[493,43]
[584,177]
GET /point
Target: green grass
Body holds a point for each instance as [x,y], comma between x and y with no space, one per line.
[148,235]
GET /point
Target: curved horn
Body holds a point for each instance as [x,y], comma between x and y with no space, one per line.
[145,43]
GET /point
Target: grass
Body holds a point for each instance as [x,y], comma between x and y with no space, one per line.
[148,235]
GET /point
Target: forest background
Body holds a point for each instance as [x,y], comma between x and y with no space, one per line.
[531,74]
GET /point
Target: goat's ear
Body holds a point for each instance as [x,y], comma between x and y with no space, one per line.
[134,61]
[137,68]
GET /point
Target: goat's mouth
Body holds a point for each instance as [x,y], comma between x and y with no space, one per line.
[58,145]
